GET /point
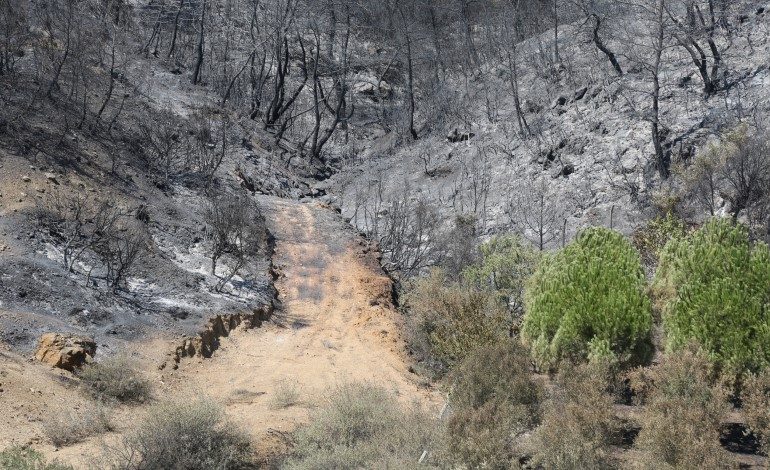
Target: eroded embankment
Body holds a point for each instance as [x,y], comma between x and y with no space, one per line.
[220,326]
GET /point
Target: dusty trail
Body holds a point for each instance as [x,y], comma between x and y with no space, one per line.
[335,325]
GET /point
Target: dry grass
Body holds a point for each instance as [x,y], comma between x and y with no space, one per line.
[682,412]
[116,378]
[285,395]
[71,425]
[190,435]
[756,406]
[493,400]
[20,458]
[363,426]
[579,426]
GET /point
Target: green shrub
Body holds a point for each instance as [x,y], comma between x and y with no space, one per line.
[363,426]
[448,320]
[681,414]
[116,378]
[713,287]
[579,426]
[653,237]
[505,265]
[20,458]
[494,400]
[588,301]
[190,435]
[458,246]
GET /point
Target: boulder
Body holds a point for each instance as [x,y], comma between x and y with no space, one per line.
[456,136]
[65,351]
[566,170]
[560,101]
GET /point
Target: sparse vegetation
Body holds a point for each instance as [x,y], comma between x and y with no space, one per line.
[579,426]
[80,224]
[432,125]
[236,230]
[22,458]
[76,222]
[363,426]
[284,395]
[588,301]
[756,406]
[682,413]
[653,237]
[448,320]
[192,435]
[116,378]
[494,400]
[736,171]
[712,288]
[71,425]
[505,265]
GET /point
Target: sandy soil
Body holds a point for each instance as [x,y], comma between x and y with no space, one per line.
[336,325]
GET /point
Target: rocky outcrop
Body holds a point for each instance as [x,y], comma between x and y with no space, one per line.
[65,351]
[457,136]
[207,341]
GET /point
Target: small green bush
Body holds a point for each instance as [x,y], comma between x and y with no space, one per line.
[579,428]
[20,458]
[653,237]
[116,378]
[363,426]
[447,320]
[494,400]
[505,265]
[713,287]
[681,414]
[587,301]
[190,435]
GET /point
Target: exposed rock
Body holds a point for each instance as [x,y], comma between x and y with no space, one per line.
[560,101]
[684,81]
[26,179]
[52,178]
[217,327]
[373,91]
[456,136]
[579,94]
[247,182]
[65,351]
[567,170]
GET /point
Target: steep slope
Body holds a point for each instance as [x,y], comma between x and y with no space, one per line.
[589,159]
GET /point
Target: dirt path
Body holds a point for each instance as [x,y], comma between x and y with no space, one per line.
[335,325]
